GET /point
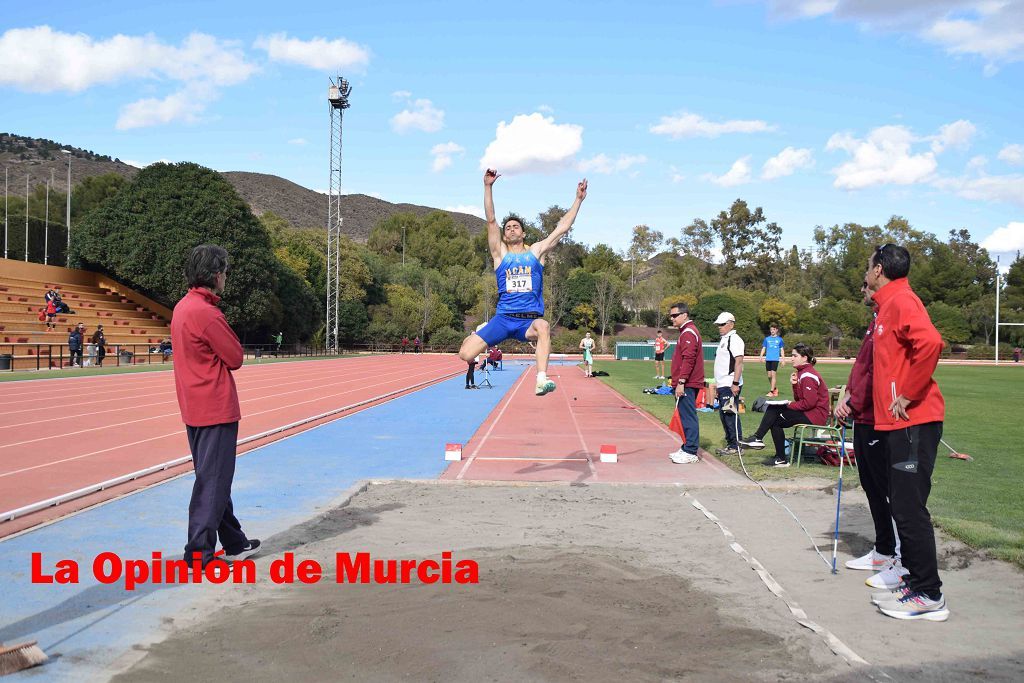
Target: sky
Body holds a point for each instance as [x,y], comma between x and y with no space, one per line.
[822,112]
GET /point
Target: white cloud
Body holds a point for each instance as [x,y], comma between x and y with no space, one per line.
[141,164]
[422,116]
[977,162]
[1012,154]
[601,163]
[532,143]
[471,209]
[686,125]
[40,59]
[317,53]
[298,141]
[1009,238]
[443,155]
[546,109]
[185,105]
[883,157]
[739,174]
[675,175]
[990,29]
[957,135]
[999,188]
[399,95]
[787,162]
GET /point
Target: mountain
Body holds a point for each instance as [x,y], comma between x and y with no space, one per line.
[301,207]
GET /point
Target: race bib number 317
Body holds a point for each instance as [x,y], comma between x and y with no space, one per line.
[519,283]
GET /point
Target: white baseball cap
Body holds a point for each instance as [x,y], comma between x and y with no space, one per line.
[725,317]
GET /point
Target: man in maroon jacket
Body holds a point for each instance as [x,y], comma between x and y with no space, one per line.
[909,411]
[206,351]
[872,465]
[688,379]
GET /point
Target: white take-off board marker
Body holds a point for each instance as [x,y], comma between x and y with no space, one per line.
[453,451]
[609,453]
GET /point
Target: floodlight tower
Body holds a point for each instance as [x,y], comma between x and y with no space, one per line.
[337,98]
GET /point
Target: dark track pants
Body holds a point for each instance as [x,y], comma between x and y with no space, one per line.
[76,356]
[910,453]
[775,420]
[873,469]
[210,512]
[730,422]
[470,381]
[687,406]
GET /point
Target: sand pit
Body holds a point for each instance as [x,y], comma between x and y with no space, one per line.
[576,583]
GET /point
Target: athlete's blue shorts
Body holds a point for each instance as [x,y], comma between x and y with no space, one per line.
[502,327]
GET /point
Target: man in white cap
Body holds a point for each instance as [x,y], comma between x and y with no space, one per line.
[729,379]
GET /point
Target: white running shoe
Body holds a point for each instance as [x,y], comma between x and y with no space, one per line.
[916,606]
[888,596]
[872,562]
[890,577]
[684,458]
[545,387]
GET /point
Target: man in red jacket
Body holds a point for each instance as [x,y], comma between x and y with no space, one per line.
[909,411]
[206,351]
[688,379]
[872,465]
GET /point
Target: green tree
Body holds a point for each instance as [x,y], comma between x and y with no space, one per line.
[710,305]
[602,259]
[774,310]
[750,244]
[142,235]
[949,321]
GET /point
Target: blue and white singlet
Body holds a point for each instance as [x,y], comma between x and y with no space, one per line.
[520,284]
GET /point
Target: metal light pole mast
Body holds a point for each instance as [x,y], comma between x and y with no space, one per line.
[26,216]
[337,98]
[5,212]
[67,217]
[998,287]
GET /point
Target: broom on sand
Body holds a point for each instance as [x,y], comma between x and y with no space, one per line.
[22,656]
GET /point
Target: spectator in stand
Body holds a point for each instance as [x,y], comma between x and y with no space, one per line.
[405,343]
[660,344]
[100,340]
[208,351]
[166,348]
[808,407]
[75,345]
[416,344]
[51,314]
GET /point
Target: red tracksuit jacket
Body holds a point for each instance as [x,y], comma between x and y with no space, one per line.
[688,357]
[906,352]
[858,387]
[810,395]
[206,350]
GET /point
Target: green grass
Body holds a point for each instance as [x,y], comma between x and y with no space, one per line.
[156,366]
[977,502]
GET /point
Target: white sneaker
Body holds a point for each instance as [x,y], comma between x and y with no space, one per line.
[889,595]
[890,577]
[684,458]
[545,387]
[872,562]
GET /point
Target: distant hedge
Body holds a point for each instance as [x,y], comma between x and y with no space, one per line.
[142,235]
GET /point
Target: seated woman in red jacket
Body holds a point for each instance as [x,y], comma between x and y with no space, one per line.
[809,406]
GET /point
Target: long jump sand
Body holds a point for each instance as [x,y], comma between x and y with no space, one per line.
[587,583]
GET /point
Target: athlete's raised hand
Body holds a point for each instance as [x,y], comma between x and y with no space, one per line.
[490,175]
[581,190]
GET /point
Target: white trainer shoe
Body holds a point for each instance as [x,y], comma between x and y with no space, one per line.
[872,562]
[890,577]
[684,458]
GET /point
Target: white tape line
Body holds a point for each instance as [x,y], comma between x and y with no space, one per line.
[837,646]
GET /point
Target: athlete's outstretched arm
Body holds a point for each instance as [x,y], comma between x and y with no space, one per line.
[539,249]
[493,229]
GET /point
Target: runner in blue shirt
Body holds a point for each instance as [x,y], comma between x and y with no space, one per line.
[519,269]
[773,345]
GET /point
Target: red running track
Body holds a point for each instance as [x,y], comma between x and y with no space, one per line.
[558,438]
[61,435]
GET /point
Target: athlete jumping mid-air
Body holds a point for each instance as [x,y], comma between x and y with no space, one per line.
[519,268]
